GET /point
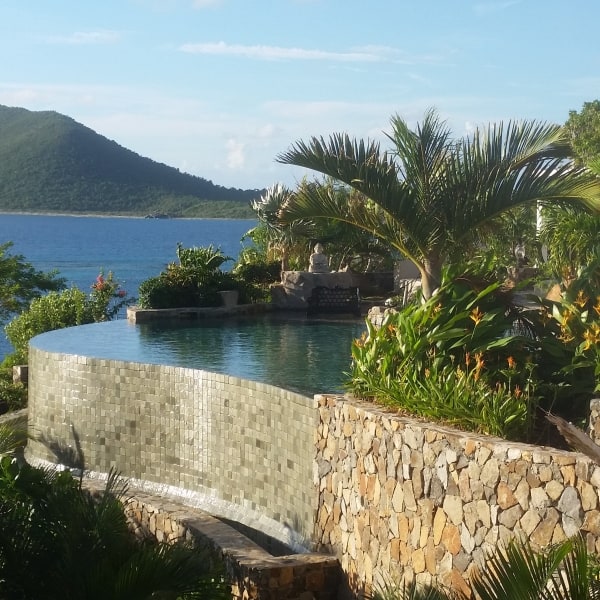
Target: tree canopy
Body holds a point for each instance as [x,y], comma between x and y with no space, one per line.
[431,192]
[584,131]
[20,282]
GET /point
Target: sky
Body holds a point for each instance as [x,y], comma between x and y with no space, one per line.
[220,88]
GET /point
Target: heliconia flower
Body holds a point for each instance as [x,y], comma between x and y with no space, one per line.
[479,364]
[581,299]
[476,315]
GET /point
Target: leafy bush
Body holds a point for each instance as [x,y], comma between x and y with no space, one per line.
[447,359]
[59,540]
[255,276]
[472,357]
[68,308]
[13,396]
[195,280]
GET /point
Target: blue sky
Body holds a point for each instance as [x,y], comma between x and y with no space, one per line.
[218,88]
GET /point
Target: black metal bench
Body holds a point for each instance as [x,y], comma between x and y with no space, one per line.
[334,300]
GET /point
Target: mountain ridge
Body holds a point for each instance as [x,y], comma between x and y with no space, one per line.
[50,163]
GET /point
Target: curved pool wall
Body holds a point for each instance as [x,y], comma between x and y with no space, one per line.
[242,448]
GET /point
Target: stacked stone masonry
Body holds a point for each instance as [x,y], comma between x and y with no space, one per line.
[401,497]
[251,572]
[383,494]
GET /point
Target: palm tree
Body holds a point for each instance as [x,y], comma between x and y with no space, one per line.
[430,193]
[281,238]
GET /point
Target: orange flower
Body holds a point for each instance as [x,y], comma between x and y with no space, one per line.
[479,364]
[591,336]
[518,392]
[512,363]
[360,342]
[581,299]
[476,315]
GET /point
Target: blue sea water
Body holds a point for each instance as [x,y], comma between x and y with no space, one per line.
[134,249]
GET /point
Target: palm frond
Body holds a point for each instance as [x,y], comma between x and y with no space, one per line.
[520,572]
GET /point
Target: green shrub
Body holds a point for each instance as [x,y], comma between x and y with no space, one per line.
[450,359]
[256,277]
[472,357]
[60,540]
[13,396]
[53,311]
[195,281]
[68,308]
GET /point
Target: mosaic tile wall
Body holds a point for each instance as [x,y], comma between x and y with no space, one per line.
[248,444]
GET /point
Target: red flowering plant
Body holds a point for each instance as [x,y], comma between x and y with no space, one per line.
[107,298]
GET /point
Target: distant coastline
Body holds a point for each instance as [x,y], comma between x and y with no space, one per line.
[117,216]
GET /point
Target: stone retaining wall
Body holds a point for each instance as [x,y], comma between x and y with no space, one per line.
[406,498]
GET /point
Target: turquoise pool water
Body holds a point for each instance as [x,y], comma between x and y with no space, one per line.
[292,352]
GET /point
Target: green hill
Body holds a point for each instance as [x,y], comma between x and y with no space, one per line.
[50,163]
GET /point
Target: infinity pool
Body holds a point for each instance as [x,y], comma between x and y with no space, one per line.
[292,352]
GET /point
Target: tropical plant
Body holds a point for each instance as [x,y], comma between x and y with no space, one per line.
[454,358]
[107,298]
[194,280]
[13,436]
[280,241]
[13,395]
[510,233]
[59,540]
[57,310]
[430,193]
[571,237]
[485,358]
[584,131]
[563,571]
[256,275]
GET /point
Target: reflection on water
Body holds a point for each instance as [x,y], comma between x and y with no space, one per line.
[295,353]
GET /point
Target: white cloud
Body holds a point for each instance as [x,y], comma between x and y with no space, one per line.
[260,52]
[87,37]
[236,158]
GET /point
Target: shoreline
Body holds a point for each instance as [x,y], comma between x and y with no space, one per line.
[119,216]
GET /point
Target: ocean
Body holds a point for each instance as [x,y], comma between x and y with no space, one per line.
[134,249]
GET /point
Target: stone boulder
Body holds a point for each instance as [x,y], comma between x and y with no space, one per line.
[296,287]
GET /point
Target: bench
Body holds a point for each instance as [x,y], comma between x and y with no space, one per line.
[334,300]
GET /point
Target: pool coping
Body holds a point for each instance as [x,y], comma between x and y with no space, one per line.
[136,315]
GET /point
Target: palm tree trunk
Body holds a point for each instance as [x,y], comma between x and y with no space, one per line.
[431,276]
[285,260]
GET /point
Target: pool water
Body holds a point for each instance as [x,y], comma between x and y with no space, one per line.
[292,352]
